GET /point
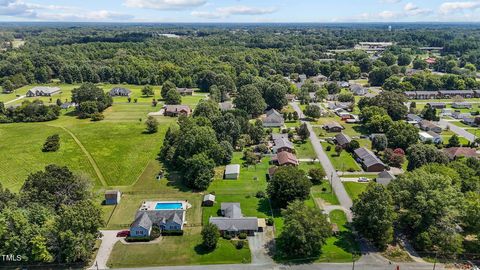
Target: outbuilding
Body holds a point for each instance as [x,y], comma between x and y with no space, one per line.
[112,197]
[208,200]
[232,171]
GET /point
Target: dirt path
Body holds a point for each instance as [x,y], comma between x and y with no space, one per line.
[89,156]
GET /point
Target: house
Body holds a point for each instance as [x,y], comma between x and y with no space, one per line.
[185,91]
[369,161]
[232,171]
[273,119]
[410,94]
[358,90]
[414,118]
[454,93]
[278,136]
[226,106]
[233,222]
[427,95]
[476,93]
[285,158]
[120,92]
[282,144]
[290,97]
[112,197]
[319,78]
[342,139]
[333,127]
[343,84]
[437,105]
[460,115]
[384,178]
[67,105]
[470,121]
[208,200]
[43,91]
[430,136]
[457,152]
[426,125]
[461,105]
[176,110]
[446,112]
[167,216]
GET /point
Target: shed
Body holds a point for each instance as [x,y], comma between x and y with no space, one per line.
[112,197]
[208,200]
[232,171]
[385,178]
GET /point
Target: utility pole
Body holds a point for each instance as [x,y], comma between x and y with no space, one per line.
[435,261]
[353,261]
[331,183]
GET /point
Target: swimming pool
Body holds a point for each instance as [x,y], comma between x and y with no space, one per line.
[168,206]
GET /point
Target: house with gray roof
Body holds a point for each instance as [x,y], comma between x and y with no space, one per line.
[233,222]
[43,91]
[232,171]
[166,220]
[333,127]
[141,226]
[120,92]
[369,161]
[358,90]
[185,91]
[342,139]
[282,144]
[273,119]
[414,118]
[454,93]
[461,105]
[385,177]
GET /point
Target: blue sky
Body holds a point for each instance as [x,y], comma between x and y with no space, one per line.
[240,10]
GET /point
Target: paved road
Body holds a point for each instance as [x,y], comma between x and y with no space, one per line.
[458,130]
[337,185]
[109,239]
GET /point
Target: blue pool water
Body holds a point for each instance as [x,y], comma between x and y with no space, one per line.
[168,206]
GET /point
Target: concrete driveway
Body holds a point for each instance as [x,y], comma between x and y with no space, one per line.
[109,239]
[458,130]
[259,247]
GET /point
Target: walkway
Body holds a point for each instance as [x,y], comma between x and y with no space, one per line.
[13,100]
[337,185]
[109,239]
[457,130]
[89,156]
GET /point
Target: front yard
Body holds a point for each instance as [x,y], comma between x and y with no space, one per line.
[354,189]
[345,162]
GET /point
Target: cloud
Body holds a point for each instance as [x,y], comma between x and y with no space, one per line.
[390,1]
[225,12]
[413,10]
[100,15]
[164,4]
[453,7]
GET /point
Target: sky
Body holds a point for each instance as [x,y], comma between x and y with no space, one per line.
[240,10]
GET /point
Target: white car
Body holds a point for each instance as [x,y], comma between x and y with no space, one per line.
[362,180]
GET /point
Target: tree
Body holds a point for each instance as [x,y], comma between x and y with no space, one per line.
[388,58]
[147,91]
[401,135]
[422,154]
[392,102]
[303,132]
[288,184]
[394,158]
[429,215]
[321,94]
[305,231]
[316,175]
[346,97]
[374,215]
[313,111]
[404,59]
[166,87]
[250,100]
[52,144]
[199,171]
[8,86]
[454,141]
[338,150]
[430,113]
[393,83]
[275,96]
[369,111]
[172,97]
[379,124]
[379,142]
[352,146]
[378,76]
[90,99]
[210,236]
[152,125]
[419,64]
[208,109]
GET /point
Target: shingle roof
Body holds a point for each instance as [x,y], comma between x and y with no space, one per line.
[276,136]
[367,157]
[454,152]
[285,158]
[456,92]
[163,216]
[235,224]
[231,210]
[45,89]
[386,175]
[142,220]
[342,139]
[177,108]
[332,125]
[273,117]
[281,143]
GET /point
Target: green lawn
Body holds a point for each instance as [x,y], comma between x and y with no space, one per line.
[354,189]
[177,250]
[324,192]
[305,150]
[344,162]
[339,248]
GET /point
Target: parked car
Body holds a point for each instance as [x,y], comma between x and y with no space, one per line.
[123,234]
[362,180]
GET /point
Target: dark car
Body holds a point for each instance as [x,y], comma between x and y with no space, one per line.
[123,234]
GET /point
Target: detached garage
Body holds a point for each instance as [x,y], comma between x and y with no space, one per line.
[232,171]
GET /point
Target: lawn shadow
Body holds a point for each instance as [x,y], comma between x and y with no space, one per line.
[202,250]
[175,180]
[264,207]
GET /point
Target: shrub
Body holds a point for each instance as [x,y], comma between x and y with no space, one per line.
[328,148]
[156,232]
[131,239]
[260,194]
[210,235]
[240,244]
[270,221]
[172,233]
[242,236]
[52,144]
[227,237]
[97,116]
[316,175]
